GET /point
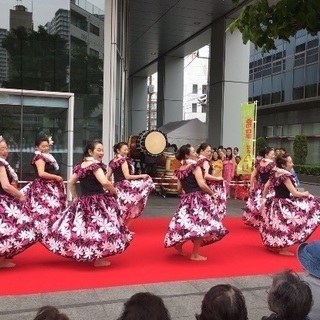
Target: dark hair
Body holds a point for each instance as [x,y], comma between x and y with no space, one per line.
[230,156]
[183,152]
[203,146]
[290,297]
[41,139]
[282,149]
[50,313]
[119,145]
[90,146]
[266,151]
[220,147]
[276,149]
[217,152]
[281,160]
[175,147]
[236,148]
[144,306]
[225,302]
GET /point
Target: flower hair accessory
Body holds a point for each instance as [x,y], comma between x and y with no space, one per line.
[1,138]
[51,142]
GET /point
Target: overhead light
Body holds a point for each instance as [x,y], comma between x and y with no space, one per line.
[153,53]
[196,23]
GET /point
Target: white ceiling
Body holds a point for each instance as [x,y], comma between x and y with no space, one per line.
[165,27]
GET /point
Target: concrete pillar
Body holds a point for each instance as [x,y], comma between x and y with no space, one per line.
[170,90]
[109,78]
[228,85]
[137,105]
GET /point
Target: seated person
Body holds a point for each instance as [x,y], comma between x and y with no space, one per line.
[144,306]
[289,298]
[225,302]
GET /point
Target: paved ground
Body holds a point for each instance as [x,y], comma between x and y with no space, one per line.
[183,299]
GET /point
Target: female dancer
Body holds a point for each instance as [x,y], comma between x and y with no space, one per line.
[196,218]
[132,190]
[229,166]
[287,219]
[90,230]
[263,168]
[216,184]
[46,194]
[16,226]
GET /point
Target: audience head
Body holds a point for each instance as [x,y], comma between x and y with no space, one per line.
[309,257]
[236,151]
[229,155]
[282,151]
[289,297]
[276,151]
[50,313]
[216,155]
[144,306]
[185,152]
[223,302]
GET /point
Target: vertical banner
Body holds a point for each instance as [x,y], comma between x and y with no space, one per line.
[248,115]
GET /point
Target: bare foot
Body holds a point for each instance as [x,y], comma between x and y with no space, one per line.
[178,247]
[101,263]
[7,264]
[198,258]
[285,252]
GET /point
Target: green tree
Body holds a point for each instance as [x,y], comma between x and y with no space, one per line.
[263,21]
[37,60]
[86,72]
[300,149]
[261,143]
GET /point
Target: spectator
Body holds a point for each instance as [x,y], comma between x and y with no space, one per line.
[236,152]
[289,298]
[223,302]
[144,306]
[282,151]
[276,152]
[50,313]
[309,257]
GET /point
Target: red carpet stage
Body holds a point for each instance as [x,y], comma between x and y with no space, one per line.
[146,261]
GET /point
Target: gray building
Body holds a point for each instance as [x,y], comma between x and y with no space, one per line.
[285,82]
[60,24]
[3,58]
[20,17]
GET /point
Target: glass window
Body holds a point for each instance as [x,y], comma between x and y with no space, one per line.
[194,88]
[204,89]
[194,107]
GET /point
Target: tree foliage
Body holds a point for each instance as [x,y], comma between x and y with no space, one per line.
[300,149]
[265,21]
[261,143]
[37,60]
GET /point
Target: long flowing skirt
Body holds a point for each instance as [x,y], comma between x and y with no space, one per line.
[252,211]
[195,218]
[132,196]
[219,189]
[16,227]
[89,229]
[287,221]
[47,200]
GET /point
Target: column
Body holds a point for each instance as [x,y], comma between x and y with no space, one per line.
[137,105]
[228,85]
[170,90]
[109,78]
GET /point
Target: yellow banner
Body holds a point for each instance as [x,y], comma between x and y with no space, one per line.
[245,165]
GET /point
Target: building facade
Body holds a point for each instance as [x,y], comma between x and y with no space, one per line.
[286,85]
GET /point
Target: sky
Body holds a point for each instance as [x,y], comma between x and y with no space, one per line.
[43,10]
